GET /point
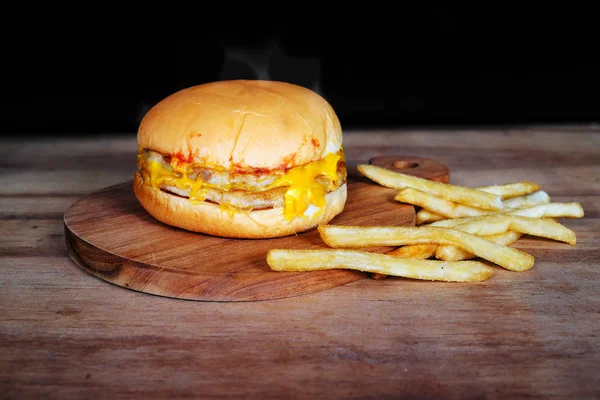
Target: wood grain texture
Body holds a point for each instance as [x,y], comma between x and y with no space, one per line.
[532,335]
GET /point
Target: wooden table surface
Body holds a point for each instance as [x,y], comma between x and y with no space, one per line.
[66,334]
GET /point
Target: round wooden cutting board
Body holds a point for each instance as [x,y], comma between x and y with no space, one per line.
[110,235]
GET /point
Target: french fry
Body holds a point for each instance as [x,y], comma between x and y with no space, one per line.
[507,238]
[532,199]
[415,252]
[359,236]
[453,253]
[435,208]
[459,194]
[485,224]
[550,210]
[424,216]
[509,190]
[435,270]
[441,206]
[515,190]
[502,229]
[497,224]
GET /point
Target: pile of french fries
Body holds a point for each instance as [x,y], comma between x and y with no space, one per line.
[457,229]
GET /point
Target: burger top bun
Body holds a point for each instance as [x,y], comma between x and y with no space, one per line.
[244,125]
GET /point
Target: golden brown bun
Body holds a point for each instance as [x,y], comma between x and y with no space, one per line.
[243,124]
[209,218]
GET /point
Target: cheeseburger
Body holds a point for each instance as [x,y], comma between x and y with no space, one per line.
[241,159]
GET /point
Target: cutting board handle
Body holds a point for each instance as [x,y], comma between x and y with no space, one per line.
[419,166]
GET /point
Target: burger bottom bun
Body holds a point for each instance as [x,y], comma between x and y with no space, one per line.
[211,219]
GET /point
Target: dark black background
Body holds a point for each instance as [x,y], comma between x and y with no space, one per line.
[435,67]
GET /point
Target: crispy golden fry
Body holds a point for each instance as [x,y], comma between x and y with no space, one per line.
[443,207]
[459,194]
[532,199]
[358,236]
[496,224]
[522,221]
[518,191]
[425,216]
[435,208]
[453,253]
[415,252]
[509,190]
[435,270]
[506,238]
[551,210]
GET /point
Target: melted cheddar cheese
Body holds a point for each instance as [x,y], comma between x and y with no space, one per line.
[303,188]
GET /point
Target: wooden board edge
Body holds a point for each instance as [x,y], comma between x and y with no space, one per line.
[118,270]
